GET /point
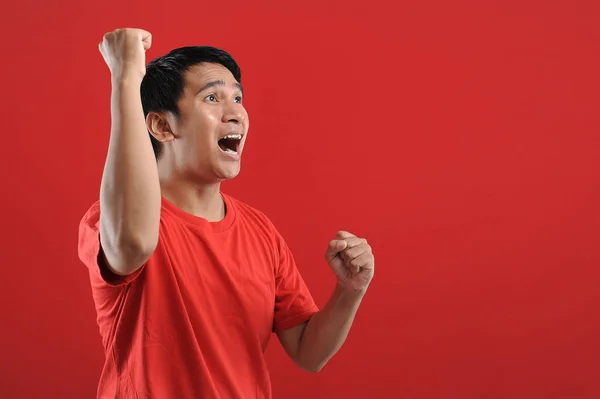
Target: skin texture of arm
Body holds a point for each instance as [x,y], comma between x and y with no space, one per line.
[312,344]
[130,196]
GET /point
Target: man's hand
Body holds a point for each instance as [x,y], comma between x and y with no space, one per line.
[352,261]
[124,52]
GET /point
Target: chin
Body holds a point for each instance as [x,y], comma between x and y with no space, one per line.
[228,173]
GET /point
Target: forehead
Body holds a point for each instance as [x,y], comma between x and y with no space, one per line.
[199,75]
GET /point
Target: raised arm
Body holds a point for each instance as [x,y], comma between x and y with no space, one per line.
[130,192]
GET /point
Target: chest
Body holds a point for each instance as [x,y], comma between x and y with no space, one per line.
[225,278]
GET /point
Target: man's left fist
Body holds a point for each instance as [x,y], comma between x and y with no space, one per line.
[351,259]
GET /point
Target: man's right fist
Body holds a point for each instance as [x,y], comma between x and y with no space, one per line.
[124,51]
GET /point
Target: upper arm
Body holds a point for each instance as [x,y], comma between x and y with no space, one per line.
[122,258]
[94,255]
[113,275]
[294,304]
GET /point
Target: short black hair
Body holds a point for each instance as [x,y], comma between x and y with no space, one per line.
[163,83]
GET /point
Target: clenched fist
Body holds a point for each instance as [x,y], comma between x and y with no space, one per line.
[124,51]
[351,259]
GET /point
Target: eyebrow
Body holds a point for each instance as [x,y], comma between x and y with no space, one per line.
[214,83]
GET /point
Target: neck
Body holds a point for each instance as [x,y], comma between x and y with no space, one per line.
[202,200]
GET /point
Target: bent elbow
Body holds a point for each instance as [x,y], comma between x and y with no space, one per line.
[143,249]
[312,368]
[136,253]
[127,255]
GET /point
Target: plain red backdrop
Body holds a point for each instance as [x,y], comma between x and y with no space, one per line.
[461,138]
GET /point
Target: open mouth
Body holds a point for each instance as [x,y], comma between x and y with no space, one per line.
[230,143]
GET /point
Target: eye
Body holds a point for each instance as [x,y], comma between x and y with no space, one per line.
[211,97]
[238,99]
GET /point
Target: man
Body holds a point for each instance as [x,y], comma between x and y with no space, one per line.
[188,282]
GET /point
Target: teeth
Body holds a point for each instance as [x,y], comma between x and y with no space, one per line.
[230,151]
[233,137]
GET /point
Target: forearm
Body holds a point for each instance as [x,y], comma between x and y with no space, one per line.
[327,330]
[130,191]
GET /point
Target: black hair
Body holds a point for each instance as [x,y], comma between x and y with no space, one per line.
[164,82]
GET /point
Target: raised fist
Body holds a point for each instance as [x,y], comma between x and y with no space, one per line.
[124,51]
[351,259]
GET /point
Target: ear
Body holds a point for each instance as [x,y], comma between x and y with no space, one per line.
[159,126]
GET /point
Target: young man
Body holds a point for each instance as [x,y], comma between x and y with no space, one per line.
[188,282]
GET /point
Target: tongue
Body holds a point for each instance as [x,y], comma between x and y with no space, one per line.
[228,145]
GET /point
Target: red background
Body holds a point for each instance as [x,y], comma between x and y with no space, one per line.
[461,138]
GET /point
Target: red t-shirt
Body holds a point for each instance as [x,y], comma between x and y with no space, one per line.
[195,320]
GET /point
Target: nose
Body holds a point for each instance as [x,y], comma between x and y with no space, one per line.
[234,113]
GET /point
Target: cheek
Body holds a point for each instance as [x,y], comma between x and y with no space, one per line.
[213,118]
[246,121]
[209,117]
[203,129]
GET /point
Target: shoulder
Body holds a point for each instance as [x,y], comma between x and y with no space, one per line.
[256,222]
[249,215]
